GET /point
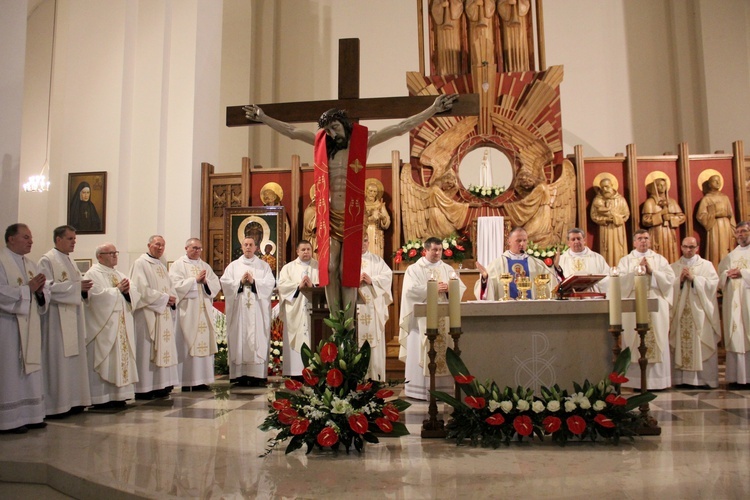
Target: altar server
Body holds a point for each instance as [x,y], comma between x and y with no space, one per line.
[734,280]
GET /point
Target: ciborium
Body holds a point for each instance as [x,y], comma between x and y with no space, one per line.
[523,284]
[505,279]
[542,289]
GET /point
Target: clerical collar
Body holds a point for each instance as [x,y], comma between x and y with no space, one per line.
[691,260]
[61,251]
[639,254]
[305,263]
[579,254]
[431,264]
[151,256]
[195,262]
[518,256]
[251,259]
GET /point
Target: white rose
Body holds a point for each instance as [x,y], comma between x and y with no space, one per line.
[553,406]
[585,404]
[493,405]
[536,254]
[599,405]
[506,406]
[445,245]
[537,406]
[522,405]
[570,406]
[530,251]
[276,352]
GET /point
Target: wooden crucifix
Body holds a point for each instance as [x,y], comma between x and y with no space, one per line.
[378,108]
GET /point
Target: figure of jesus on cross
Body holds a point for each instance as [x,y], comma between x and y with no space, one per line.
[341,149]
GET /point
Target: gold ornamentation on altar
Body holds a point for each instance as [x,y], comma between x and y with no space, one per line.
[523,284]
[542,289]
[505,279]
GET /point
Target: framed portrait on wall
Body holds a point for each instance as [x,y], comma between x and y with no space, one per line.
[87,202]
[83,265]
[264,224]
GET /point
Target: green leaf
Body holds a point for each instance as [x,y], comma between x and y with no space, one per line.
[400,404]
[399,429]
[448,399]
[622,362]
[638,400]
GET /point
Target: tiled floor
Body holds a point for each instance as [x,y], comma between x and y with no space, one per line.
[207,444]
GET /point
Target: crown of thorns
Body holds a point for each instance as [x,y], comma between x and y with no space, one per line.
[332,115]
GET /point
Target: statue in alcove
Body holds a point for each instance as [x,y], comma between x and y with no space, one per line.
[661,215]
[609,211]
[309,231]
[377,219]
[715,215]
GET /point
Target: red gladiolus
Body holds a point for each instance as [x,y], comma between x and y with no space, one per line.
[464,379]
[334,378]
[391,412]
[616,378]
[448,252]
[288,415]
[616,400]
[495,419]
[358,423]
[384,393]
[384,424]
[576,425]
[327,437]
[548,262]
[551,424]
[299,426]
[523,426]
[280,404]
[412,252]
[460,248]
[329,352]
[364,387]
[292,385]
[309,376]
[602,420]
[475,402]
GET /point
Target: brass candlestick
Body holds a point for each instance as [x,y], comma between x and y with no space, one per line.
[650,426]
[616,331]
[432,427]
[456,334]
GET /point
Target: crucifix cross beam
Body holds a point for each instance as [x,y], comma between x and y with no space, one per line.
[378,108]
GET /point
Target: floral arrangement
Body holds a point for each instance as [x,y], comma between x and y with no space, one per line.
[486,191]
[488,416]
[221,365]
[275,357]
[455,247]
[545,253]
[335,406]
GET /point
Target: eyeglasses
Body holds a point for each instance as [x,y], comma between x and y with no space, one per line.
[110,253]
[689,247]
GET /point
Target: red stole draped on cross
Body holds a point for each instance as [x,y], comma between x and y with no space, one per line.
[351,251]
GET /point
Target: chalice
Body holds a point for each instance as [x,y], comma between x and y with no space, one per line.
[523,284]
[542,290]
[505,279]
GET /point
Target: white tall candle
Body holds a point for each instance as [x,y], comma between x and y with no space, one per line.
[614,293]
[432,303]
[641,298]
[454,302]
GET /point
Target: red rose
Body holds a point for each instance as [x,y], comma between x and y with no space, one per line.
[602,420]
[384,393]
[464,379]
[299,426]
[288,415]
[424,252]
[309,376]
[280,404]
[448,252]
[475,402]
[391,412]
[548,261]
[397,259]
[523,426]
[616,400]
[460,248]
[327,437]
[358,423]
[576,425]
[292,385]
[495,419]
[364,387]
[551,424]
[334,378]
[399,251]
[412,252]
[616,378]
[384,424]
[329,352]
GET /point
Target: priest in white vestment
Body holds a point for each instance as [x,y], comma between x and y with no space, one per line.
[156,350]
[695,328]
[110,331]
[300,273]
[248,284]
[24,295]
[375,295]
[661,282]
[516,262]
[65,367]
[734,281]
[196,285]
[579,259]
[412,339]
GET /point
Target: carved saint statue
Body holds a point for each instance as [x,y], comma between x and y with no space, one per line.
[515,28]
[481,14]
[716,216]
[447,17]
[271,195]
[661,215]
[376,216]
[309,231]
[610,211]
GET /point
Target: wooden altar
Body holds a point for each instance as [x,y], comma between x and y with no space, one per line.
[537,343]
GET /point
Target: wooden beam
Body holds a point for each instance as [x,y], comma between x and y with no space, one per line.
[348,68]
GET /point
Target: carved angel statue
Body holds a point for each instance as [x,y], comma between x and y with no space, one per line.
[376,216]
[546,211]
[431,210]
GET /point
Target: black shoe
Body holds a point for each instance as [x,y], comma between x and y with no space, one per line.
[202,387]
[118,404]
[102,406]
[17,430]
[145,396]
[38,425]
[259,382]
